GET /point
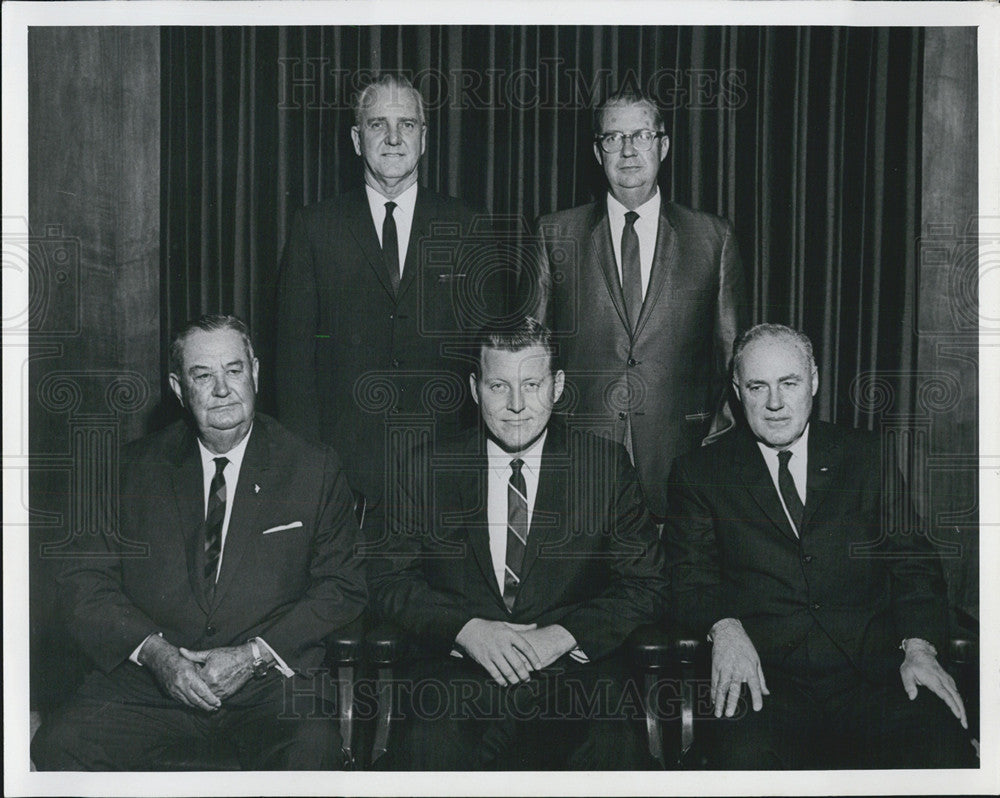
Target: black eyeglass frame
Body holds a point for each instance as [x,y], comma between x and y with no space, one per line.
[635,137]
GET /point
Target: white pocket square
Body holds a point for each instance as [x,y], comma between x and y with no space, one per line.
[282,528]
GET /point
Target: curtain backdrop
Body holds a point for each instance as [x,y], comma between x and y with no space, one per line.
[808,139]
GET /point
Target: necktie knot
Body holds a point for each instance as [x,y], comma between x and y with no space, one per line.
[515,465]
[783,458]
[630,218]
[389,208]
[220,465]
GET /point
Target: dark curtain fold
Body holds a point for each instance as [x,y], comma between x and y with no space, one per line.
[807,138]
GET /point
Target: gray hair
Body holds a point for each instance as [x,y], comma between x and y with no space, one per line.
[625,96]
[363,100]
[779,331]
[207,323]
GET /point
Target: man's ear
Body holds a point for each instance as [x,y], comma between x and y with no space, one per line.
[815,381]
[599,153]
[356,138]
[175,386]
[736,390]
[472,387]
[559,382]
[664,147]
[255,371]
[423,140]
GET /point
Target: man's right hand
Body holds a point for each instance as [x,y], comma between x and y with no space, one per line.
[500,648]
[734,662]
[178,676]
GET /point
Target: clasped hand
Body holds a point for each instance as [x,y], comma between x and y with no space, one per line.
[198,679]
[734,662]
[510,651]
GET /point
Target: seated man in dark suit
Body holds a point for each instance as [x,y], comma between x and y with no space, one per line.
[519,558]
[232,560]
[783,548]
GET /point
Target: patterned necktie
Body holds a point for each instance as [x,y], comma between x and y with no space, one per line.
[788,492]
[214,517]
[517,532]
[390,246]
[631,273]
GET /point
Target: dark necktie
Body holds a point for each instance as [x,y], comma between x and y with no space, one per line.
[390,246]
[631,273]
[788,492]
[214,517]
[517,532]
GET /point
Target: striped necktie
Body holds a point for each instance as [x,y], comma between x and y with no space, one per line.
[517,532]
[214,518]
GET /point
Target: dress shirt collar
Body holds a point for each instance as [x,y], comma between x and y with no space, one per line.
[234,455]
[405,203]
[532,456]
[649,211]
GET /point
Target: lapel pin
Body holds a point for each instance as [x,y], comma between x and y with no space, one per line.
[256,487]
[824,468]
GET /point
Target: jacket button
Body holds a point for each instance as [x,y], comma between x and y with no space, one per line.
[622,414]
[395,362]
[815,605]
[210,630]
[632,361]
[392,316]
[807,558]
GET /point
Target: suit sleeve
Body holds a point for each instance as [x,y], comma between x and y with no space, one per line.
[637,591]
[731,318]
[918,589]
[101,619]
[295,357]
[534,279]
[401,592]
[336,592]
[696,599]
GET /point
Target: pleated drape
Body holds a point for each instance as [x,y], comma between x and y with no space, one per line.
[807,138]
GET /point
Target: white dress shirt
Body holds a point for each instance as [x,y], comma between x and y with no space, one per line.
[645,228]
[402,214]
[797,465]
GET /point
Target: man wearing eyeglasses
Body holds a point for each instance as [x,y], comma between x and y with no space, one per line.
[646,297]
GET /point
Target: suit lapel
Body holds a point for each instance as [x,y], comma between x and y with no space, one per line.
[472,486]
[758,482]
[824,465]
[600,239]
[188,485]
[663,264]
[246,504]
[423,215]
[363,230]
[549,513]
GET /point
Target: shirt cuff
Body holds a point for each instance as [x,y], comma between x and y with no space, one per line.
[578,655]
[134,656]
[279,664]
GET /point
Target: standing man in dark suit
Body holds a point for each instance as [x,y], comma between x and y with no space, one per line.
[376,298]
[784,548]
[231,560]
[519,558]
[645,297]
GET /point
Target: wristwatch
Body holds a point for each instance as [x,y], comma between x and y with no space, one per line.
[260,666]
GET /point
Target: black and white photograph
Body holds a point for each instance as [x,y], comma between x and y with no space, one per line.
[547,398]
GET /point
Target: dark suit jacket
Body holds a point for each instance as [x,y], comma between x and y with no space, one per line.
[732,552]
[291,587]
[592,563]
[351,355]
[669,379]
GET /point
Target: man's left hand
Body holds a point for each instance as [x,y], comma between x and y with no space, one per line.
[551,642]
[224,670]
[921,667]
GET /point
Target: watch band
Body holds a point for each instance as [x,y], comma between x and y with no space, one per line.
[259,665]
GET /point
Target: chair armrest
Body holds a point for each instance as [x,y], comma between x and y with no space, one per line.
[385,644]
[650,648]
[345,646]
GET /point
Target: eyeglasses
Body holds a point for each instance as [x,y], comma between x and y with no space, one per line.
[642,140]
